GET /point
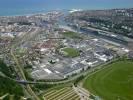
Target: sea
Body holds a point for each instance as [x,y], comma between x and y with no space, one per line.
[24,7]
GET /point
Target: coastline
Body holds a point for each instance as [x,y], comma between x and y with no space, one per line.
[34,12]
[25,14]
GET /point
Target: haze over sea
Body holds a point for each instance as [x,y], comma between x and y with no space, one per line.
[22,7]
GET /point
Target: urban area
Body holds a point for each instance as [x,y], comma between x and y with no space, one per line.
[41,51]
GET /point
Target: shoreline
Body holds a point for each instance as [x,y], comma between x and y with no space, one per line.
[46,11]
[28,14]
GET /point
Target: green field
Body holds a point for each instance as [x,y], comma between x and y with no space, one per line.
[72,35]
[112,83]
[71,52]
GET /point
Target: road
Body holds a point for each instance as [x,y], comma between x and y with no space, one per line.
[23,76]
[85,73]
[2,97]
[19,68]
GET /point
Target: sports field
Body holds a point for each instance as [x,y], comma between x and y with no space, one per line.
[112,83]
[71,52]
[72,35]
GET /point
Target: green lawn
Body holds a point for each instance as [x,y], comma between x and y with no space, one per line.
[112,83]
[72,35]
[71,52]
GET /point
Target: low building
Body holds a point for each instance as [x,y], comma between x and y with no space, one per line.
[45,74]
[68,70]
[104,56]
[101,56]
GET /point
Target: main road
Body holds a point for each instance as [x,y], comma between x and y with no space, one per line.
[20,68]
[23,76]
[70,79]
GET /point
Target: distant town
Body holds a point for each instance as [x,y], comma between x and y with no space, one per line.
[59,47]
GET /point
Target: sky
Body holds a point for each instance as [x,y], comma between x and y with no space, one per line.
[92,4]
[15,6]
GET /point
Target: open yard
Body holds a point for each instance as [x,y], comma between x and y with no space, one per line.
[112,83]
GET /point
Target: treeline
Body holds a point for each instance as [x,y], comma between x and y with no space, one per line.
[11,87]
[78,80]
[28,75]
[7,70]
[43,86]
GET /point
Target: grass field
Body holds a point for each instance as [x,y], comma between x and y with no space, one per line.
[62,93]
[72,35]
[112,83]
[71,52]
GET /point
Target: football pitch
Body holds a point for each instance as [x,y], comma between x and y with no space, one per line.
[114,82]
[71,52]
